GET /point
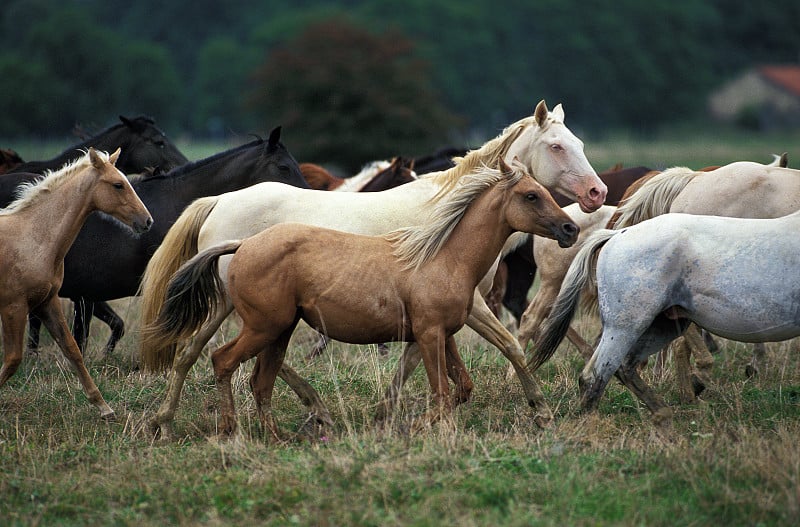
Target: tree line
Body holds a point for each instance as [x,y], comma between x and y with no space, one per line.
[408,74]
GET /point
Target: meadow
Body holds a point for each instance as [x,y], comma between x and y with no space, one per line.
[730,459]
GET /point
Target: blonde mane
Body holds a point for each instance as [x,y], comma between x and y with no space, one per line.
[488,155]
[416,245]
[654,197]
[31,192]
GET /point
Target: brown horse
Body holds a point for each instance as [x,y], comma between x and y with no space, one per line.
[413,284]
[36,231]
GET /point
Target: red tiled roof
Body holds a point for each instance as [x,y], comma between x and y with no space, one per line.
[786,77]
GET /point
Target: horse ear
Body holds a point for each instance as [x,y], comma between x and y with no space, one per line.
[558,113]
[113,157]
[94,157]
[504,168]
[540,113]
[274,136]
[127,122]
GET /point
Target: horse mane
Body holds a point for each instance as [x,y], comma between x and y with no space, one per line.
[30,192]
[193,165]
[418,244]
[487,155]
[654,197]
[86,142]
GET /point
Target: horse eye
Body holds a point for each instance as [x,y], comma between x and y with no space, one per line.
[119,186]
[531,196]
[556,147]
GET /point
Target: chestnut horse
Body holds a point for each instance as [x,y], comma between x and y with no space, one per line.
[36,231]
[414,284]
[541,141]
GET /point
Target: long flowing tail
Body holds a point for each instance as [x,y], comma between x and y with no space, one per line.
[192,295]
[178,246]
[579,276]
[654,197]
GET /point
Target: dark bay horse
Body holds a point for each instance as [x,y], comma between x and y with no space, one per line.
[104,264]
[9,160]
[141,142]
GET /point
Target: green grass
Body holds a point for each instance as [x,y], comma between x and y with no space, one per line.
[731,459]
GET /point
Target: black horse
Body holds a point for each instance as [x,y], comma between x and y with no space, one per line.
[143,146]
[106,263]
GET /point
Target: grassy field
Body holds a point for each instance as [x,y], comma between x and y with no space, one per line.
[731,459]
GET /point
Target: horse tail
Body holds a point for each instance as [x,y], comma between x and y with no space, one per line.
[654,197]
[193,294]
[178,246]
[580,276]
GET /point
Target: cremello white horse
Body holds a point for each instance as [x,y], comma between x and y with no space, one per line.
[541,142]
[737,278]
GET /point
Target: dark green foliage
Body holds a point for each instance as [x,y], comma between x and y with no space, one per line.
[194,65]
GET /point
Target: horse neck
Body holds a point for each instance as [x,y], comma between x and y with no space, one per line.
[55,221]
[217,176]
[478,238]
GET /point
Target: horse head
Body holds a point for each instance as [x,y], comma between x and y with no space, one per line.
[555,157]
[531,208]
[144,145]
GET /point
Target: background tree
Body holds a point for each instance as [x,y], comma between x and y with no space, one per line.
[345,95]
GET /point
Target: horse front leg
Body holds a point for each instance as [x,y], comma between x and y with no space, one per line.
[486,325]
[34,330]
[409,361]
[432,344]
[103,312]
[83,311]
[14,318]
[53,318]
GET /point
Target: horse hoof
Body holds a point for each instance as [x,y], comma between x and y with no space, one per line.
[108,415]
[698,386]
[750,371]
[543,421]
[663,416]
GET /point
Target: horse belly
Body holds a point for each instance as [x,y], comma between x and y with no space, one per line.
[370,319]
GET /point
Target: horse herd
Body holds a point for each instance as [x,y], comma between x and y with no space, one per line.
[419,246]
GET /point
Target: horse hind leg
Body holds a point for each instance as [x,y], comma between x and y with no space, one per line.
[184,359]
[53,318]
[759,357]
[226,361]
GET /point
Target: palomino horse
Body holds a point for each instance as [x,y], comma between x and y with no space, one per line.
[144,147]
[741,190]
[414,284]
[36,231]
[103,264]
[735,277]
[542,142]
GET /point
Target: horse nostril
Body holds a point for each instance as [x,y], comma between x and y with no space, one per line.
[571,229]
